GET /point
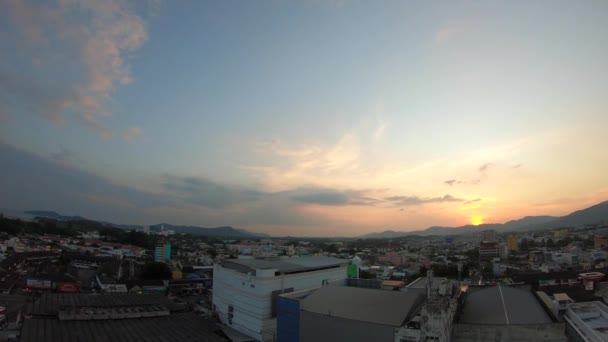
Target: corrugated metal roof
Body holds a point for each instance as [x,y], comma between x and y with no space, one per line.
[49,304]
[178,327]
[360,304]
[503,305]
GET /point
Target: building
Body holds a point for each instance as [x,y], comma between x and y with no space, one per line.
[113,317]
[587,322]
[245,291]
[505,313]
[513,243]
[489,250]
[434,321]
[558,303]
[591,280]
[600,240]
[162,253]
[341,313]
[488,235]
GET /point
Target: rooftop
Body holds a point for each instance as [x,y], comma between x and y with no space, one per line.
[593,315]
[50,304]
[503,305]
[361,304]
[178,327]
[287,265]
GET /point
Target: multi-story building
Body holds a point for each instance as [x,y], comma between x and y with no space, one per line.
[245,291]
[587,322]
[489,250]
[600,240]
[162,253]
[488,235]
[513,243]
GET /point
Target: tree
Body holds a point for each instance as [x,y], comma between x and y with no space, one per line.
[156,271]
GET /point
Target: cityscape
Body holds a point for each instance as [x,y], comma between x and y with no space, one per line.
[310,171]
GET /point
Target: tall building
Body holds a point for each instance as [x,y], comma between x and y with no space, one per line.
[489,250]
[162,252]
[245,291]
[488,235]
[513,243]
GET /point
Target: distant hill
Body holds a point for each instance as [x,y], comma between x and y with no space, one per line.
[54,215]
[194,230]
[218,231]
[528,222]
[597,214]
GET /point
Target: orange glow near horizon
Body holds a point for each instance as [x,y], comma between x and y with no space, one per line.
[476,220]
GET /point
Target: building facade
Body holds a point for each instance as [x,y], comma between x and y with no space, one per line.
[246,290]
[162,253]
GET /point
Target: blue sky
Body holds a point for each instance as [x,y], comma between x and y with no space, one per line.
[305,118]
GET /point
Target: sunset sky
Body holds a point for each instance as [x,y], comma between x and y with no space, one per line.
[324,118]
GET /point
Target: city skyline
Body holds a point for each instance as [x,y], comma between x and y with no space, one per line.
[325,118]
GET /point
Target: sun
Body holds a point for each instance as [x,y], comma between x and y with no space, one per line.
[476,220]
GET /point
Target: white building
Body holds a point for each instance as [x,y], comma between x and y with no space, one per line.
[587,322]
[245,290]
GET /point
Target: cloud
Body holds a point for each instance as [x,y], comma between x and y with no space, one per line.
[65,155]
[132,134]
[446,33]
[473,201]
[77,54]
[451,182]
[415,200]
[329,197]
[206,193]
[31,182]
[482,169]
[517,166]
[485,167]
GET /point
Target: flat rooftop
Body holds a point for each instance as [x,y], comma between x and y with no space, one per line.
[361,304]
[594,315]
[50,304]
[178,327]
[287,265]
[503,305]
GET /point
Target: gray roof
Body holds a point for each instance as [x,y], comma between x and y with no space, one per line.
[361,304]
[421,282]
[178,327]
[287,265]
[503,305]
[50,304]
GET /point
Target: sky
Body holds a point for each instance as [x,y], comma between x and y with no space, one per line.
[309,118]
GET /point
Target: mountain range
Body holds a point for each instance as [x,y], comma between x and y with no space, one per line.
[597,214]
[225,231]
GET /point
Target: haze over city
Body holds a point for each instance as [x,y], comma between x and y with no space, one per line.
[320,118]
